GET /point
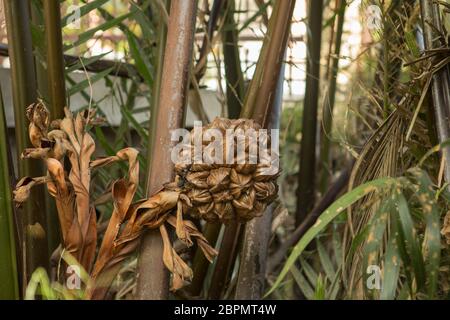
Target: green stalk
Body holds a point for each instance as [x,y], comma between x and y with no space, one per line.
[307,174]
[232,62]
[55,59]
[9,285]
[23,78]
[255,247]
[200,263]
[158,62]
[37,19]
[261,93]
[328,106]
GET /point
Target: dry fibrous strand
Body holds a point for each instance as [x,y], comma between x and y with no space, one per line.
[210,191]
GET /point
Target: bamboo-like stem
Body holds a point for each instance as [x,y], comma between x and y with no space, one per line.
[200,68]
[307,174]
[24,93]
[158,62]
[232,62]
[152,277]
[440,85]
[328,106]
[55,59]
[258,103]
[41,72]
[252,269]
[200,263]
[9,285]
[225,260]
[261,93]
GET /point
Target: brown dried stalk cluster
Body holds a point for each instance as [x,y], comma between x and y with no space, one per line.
[209,191]
[225,192]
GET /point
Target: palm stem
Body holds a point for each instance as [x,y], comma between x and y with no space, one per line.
[307,174]
[152,279]
[9,288]
[24,93]
[328,106]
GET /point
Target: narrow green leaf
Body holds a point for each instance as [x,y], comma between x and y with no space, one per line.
[140,58]
[302,283]
[86,62]
[80,86]
[374,238]
[325,260]
[431,246]
[319,293]
[411,243]
[309,271]
[85,36]
[391,271]
[83,10]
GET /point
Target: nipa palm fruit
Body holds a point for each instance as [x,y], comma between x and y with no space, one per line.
[240,184]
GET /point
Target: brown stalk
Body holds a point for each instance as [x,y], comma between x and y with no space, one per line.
[152,277]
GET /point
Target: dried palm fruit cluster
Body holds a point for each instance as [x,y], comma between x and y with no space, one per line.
[209,191]
[240,190]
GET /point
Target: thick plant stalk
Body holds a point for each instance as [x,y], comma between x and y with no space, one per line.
[152,277]
[24,93]
[41,72]
[214,15]
[9,288]
[440,85]
[225,260]
[200,263]
[252,269]
[328,106]
[307,174]
[232,62]
[55,59]
[257,106]
[158,62]
[261,93]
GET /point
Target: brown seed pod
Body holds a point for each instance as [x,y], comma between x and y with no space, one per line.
[224,191]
